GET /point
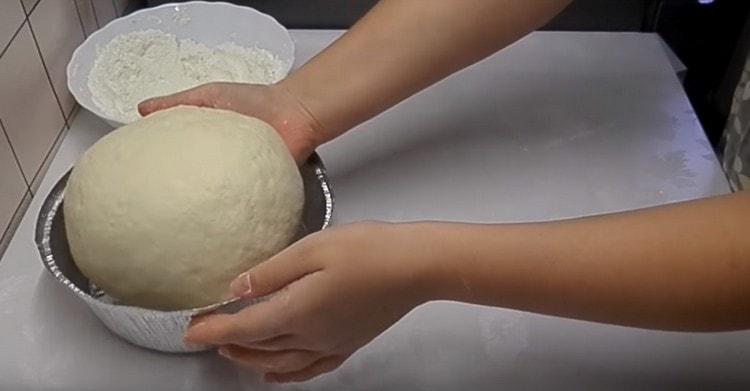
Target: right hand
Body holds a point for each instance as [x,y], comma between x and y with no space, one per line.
[272,104]
[336,290]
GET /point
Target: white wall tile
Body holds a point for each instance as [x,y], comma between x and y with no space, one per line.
[58,32]
[14,222]
[28,107]
[13,185]
[121,6]
[11,17]
[105,11]
[88,19]
[28,5]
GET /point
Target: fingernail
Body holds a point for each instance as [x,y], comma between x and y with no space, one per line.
[241,285]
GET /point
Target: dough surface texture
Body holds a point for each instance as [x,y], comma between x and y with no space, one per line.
[163,213]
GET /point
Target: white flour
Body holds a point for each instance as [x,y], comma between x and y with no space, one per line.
[143,64]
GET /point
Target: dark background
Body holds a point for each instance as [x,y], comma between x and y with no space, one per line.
[710,37]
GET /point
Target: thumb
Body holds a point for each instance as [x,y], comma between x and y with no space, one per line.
[273,274]
[203,95]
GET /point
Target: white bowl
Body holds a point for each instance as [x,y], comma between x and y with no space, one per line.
[203,22]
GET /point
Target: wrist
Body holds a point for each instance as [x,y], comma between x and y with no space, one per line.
[432,260]
[291,93]
[478,263]
[292,118]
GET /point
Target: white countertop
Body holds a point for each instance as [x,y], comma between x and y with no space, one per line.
[558,125]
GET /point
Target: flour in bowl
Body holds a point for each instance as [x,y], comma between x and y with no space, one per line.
[143,64]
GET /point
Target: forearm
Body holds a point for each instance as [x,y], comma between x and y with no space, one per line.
[401,47]
[680,267]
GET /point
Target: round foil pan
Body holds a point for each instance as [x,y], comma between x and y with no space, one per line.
[152,329]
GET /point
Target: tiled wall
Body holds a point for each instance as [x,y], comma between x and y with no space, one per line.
[37,38]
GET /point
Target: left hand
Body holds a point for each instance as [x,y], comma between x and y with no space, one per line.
[335,291]
[273,104]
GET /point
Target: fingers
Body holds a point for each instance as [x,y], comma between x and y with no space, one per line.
[257,322]
[283,366]
[323,365]
[267,361]
[204,95]
[264,320]
[275,273]
[282,342]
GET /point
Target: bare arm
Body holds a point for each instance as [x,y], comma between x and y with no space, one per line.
[397,49]
[679,267]
[401,47]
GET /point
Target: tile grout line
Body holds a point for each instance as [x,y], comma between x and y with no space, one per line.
[33,7]
[15,156]
[93,10]
[13,37]
[73,113]
[46,71]
[28,194]
[69,116]
[59,105]
[48,156]
[80,18]
[15,220]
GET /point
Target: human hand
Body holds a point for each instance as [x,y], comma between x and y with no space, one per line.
[334,291]
[272,104]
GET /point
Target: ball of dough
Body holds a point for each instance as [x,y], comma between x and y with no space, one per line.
[163,213]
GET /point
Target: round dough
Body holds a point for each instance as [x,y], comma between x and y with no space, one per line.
[163,213]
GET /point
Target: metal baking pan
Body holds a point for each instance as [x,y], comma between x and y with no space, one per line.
[153,329]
